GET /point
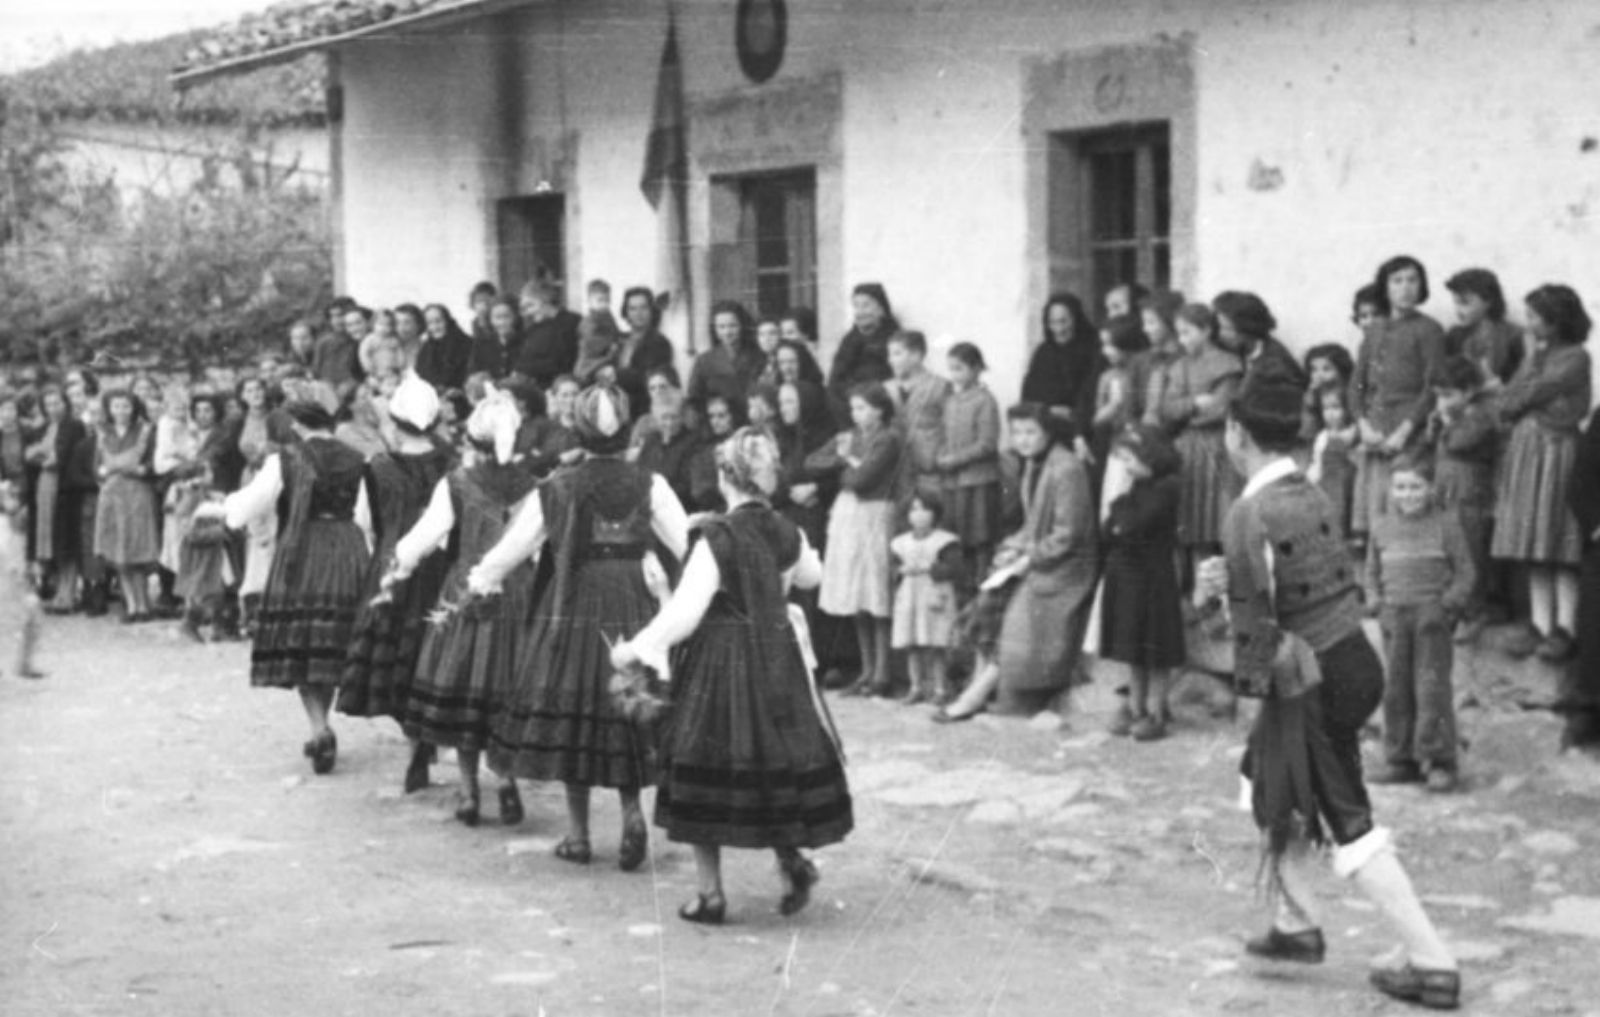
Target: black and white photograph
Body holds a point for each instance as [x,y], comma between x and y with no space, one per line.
[716,508]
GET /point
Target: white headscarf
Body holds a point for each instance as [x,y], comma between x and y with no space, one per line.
[495,421]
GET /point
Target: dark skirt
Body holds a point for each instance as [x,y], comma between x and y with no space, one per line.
[973,514]
[1140,609]
[748,761]
[1210,486]
[303,628]
[388,637]
[560,723]
[203,570]
[468,661]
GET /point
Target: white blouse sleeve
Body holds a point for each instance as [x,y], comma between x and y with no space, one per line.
[806,572]
[681,615]
[258,498]
[429,534]
[667,517]
[363,514]
[521,541]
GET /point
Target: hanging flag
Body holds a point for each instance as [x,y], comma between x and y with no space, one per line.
[665,183]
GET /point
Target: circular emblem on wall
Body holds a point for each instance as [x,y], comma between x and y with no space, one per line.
[761,32]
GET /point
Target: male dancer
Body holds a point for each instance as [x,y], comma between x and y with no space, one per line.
[1298,644]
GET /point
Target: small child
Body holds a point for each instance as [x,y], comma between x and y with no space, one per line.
[599,337]
[19,603]
[1328,366]
[1332,467]
[1419,579]
[1142,613]
[1115,401]
[1463,431]
[928,562]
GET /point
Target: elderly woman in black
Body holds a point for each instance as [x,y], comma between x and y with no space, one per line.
[1064,371]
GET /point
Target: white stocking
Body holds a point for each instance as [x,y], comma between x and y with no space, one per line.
[1542,598]
[1383,880]
[1567,600]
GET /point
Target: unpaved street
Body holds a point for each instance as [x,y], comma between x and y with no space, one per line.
[167,852]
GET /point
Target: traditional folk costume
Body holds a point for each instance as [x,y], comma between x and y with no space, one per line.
[1298,645]
[389,629]
[318,574]
[597,524]
[749,757]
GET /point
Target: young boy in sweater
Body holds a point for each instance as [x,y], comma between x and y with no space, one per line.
[1420,578]
[1298,645]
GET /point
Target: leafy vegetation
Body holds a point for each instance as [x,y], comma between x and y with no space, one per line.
[201,277]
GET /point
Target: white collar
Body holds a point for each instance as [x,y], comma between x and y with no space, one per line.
[1275,470]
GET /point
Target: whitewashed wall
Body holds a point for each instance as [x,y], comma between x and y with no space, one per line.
[1454,131]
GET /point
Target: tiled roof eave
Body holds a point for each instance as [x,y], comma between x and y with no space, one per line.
[437,17]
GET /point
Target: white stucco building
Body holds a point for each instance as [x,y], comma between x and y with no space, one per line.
[973,155]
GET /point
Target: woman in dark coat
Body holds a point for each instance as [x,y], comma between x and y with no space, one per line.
[863,354]
[1581,703]
[389,629]
[732,363]
[1142,616]
[750,759]
[598,519]
[1064,371]
[319,566]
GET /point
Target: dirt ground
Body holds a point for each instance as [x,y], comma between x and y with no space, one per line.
[167,851]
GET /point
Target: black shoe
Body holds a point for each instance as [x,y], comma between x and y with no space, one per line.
[705,910]
[635,844]
[803,875]
[1434,989]
[467,811]
[510,805]
[417,772]
[324,752]
[1305,947]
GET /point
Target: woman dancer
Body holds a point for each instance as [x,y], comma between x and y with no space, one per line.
[560,724]
[466,665]
[750,760]
[314,586]
[389,630]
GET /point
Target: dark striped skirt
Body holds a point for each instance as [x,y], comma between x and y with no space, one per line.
[1532,521]
[303,629]
[386,642]
[747,760]
[466,667]
[559,722]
